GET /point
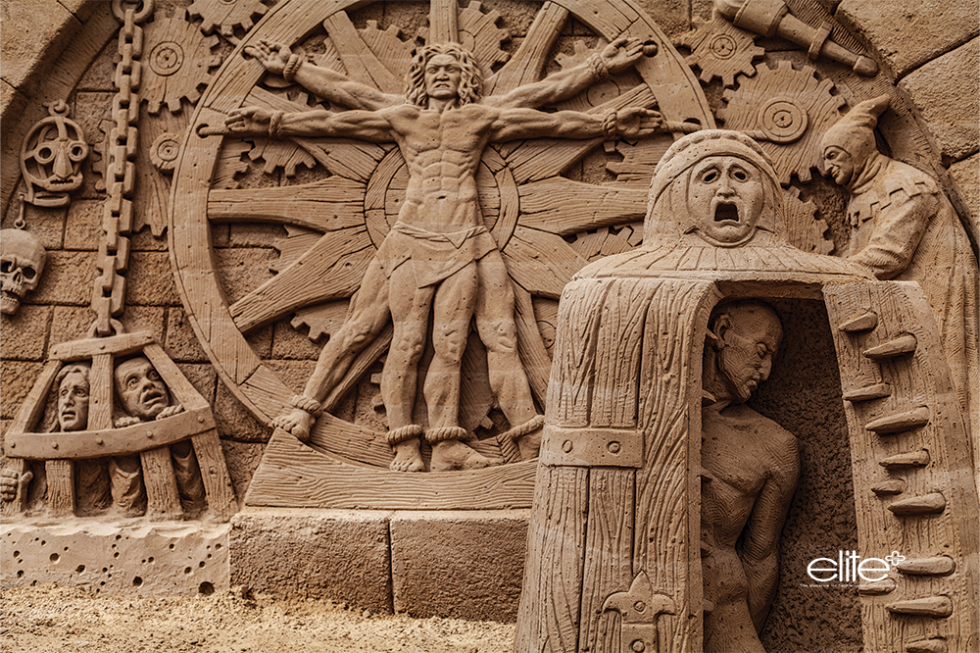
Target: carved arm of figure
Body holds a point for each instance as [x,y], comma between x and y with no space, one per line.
[12,482]
[632,122]
[365,125]
[898,228]
[760,538]
[615,58]
[324,82]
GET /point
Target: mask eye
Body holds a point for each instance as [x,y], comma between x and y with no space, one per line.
[78,152]
[44,154]
[709,176]
[740,174]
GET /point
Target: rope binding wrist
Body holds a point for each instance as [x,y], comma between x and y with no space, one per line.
[292,65]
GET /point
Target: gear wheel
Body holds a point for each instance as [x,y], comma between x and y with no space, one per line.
[805,230]
[787,111]
[226,14]
[719,49]
[478,33]
[176,60]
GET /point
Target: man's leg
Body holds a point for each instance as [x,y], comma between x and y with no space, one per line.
[452,312]
[366,317]
[508,381]
[410,307]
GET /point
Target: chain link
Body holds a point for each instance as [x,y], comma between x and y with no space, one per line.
[109,292]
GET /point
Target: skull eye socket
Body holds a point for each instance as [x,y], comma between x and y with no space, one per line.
[29,273]
[5,267]
[44,154]
[78,152]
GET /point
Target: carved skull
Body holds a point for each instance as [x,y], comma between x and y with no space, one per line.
[21,264]
[51,158]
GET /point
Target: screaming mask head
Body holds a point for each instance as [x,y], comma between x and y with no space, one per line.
[21,264]
[51,158]
[718,185]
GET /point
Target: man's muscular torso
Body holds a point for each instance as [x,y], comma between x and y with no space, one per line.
[443,151]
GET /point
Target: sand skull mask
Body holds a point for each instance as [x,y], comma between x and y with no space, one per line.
[21,264]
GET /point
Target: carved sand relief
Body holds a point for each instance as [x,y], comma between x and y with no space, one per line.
[130,437]
[617,476]
[517,211]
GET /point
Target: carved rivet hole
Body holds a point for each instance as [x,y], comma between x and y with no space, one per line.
[614,447]
[166,58]
[783,120]
[723,47]
[149,434]
[102,347]
[638,646]
[98,440]
[640,606]
[566,446]
[54,445]
[200,419]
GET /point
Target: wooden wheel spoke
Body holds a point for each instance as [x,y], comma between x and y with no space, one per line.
[540,262]
[541,158]
[331,269]
[526,65]
[562,206]
[360,60]
[323,206]
[443,22]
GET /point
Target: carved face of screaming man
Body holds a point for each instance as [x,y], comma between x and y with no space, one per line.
[750,342]
[443,74]
[140,389]
[73,396]
[726,194]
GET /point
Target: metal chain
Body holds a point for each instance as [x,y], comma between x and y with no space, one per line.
[108,296]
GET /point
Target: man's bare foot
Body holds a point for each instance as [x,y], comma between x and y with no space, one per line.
[297,421]
[407,457]
[453,454]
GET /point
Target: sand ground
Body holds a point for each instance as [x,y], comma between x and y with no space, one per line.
[68,620]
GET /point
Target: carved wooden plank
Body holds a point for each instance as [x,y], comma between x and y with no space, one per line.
[332,269]
[100,393]
[550,604]
[618,355]
[541,158]
[162,497]
[61,487]
[121,345]
[33,407]
[666,544]
[350,442]
[79,445]
[608,552]
[934,511]
[532,261]
[326,205]
[443,22]
[292,475]
[562,206]
[214,472]
[526,64]
[359,60]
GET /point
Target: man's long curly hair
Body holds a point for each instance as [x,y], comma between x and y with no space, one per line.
[470,85]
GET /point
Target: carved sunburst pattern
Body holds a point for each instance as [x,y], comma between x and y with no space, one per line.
[336,221]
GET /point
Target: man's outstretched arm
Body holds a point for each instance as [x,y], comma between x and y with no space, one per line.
[615,58]
[365,125]
[323,82]
[518,124]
